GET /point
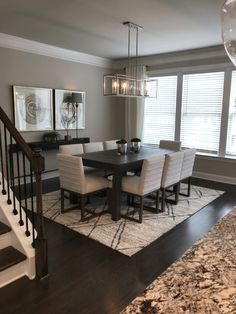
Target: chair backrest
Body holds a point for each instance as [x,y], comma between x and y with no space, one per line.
[93,147]
[172,169]
[174,145]
[188,162]
[151,174]
[71,149]
[71,173]
[110,144]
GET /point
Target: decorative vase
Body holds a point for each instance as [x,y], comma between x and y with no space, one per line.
[135,147]
[122,148]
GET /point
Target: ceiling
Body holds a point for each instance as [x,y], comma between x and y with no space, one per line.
[95,26]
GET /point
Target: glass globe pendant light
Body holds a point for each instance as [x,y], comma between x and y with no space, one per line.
[228,19]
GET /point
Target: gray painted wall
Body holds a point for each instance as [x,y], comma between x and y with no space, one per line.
[103,119]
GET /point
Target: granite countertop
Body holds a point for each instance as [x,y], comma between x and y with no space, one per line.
[202,281]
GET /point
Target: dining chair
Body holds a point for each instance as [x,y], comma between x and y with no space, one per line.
[110,144]
[73,179]
[93,147]
[71,149]
[171,176]
[173,145]
[148,182]
[187,168]
[76,149]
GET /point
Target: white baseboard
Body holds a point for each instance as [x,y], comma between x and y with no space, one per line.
[214,177]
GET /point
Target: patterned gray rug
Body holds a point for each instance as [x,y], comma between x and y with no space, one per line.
[124,235]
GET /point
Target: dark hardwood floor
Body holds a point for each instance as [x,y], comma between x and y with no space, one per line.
[88,277]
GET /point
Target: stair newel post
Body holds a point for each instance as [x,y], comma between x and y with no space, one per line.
[41,246]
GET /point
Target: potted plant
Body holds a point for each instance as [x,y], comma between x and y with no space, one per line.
[135,144]
[122,146]
[51,137]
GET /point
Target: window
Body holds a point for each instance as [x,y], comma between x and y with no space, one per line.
[159,115]
[201,110]
[231,135]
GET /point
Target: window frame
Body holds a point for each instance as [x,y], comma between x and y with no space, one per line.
[227,69]
[159,76]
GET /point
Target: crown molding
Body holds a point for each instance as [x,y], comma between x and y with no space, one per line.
[163,59]
[30,46]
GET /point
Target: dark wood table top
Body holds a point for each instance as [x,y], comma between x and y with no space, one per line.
[109,159]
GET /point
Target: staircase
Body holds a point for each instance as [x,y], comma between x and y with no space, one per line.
[23,246]
[12,261]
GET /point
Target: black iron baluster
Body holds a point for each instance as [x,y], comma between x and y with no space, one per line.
[32,204]
[7,166]
[11,179]
[15,212]
[25,194]
[21,222]
[2,166]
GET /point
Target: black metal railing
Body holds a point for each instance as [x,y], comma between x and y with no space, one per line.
[21,169]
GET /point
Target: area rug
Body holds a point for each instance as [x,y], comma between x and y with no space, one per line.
[202,281]
[124,235]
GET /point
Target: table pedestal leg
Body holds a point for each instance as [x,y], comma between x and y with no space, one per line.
[115,196]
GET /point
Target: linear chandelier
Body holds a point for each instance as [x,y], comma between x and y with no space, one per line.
[130,84]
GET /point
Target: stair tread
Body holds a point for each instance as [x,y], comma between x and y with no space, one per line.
[4,228]
[9,256]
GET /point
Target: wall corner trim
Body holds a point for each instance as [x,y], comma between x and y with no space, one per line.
[30,46]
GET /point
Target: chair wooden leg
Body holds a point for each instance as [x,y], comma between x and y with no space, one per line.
[82,207]
[62,201]
[163,200]
[189,186]
[141,210]
[128,200]
[132,200]
[176,189]
[157,200]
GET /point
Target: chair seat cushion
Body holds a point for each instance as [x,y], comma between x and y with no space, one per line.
[95,183]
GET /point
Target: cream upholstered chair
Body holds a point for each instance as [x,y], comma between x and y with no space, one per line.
[110,144]
[149,181]
[174,145]
[187,168]
[93,147]
[71,149]
[76,149]
[171,175]
[73,179]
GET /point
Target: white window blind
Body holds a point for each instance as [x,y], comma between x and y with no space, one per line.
[231,135]
[201,110]
[159,115]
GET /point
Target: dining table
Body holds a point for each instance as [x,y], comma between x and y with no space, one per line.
[118,165]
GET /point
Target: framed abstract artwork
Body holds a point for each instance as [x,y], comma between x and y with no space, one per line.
[33,108]
[69,110]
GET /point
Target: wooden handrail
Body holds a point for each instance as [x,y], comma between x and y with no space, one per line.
[16,135]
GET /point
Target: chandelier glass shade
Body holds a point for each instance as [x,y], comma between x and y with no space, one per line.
[228,19]
[130,84]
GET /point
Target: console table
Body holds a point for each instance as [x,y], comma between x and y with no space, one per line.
[51,145]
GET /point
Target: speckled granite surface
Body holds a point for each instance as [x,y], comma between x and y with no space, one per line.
[202,281]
